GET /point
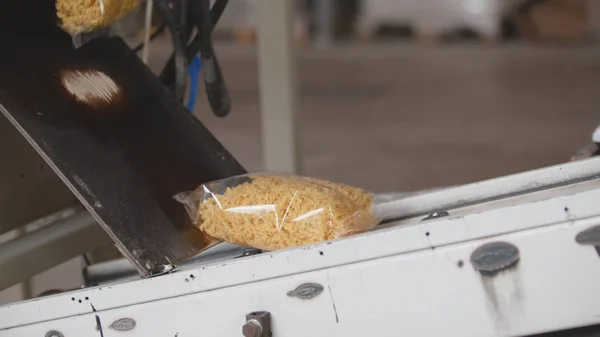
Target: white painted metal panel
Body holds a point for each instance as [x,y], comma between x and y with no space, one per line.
[422,293]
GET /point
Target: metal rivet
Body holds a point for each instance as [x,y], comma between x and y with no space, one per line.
[590,236]
[436,215]
[54,333]
[123,324]
[494,257]
[306,291]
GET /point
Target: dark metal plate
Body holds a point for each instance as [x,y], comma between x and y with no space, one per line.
[124,150]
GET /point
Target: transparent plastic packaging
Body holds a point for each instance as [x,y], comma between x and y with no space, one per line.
[83,16]
[277,211]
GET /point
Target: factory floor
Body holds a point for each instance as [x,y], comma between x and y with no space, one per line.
[398,117]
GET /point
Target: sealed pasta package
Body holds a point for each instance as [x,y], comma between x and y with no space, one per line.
[83,16]
[277,211]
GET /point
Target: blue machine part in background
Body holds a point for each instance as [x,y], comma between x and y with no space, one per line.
[194,73]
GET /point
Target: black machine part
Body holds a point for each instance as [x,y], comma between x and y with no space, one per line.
[204,19]
[113,133]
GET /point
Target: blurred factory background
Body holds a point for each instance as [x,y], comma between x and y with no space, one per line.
[402,95]
[410,94]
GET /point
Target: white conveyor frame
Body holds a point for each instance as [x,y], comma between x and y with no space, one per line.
[408,278]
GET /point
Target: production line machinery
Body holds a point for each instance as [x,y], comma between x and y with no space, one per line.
[512,256]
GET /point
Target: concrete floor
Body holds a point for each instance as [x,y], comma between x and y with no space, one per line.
[405,117]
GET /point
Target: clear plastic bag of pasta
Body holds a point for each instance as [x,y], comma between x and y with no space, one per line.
[83,16]
[277,211]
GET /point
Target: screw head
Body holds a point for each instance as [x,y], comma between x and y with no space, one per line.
[54,333]
[494,257]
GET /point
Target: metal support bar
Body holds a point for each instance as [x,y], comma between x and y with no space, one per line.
[28,255]
[147,28]
[277,79]
[111,271]
[325,10]
[493,189]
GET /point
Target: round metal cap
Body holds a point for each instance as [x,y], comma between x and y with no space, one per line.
[53,333]
[252,328]
[494,257]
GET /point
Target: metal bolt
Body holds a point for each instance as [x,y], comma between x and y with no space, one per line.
[252,328]
[258,324]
